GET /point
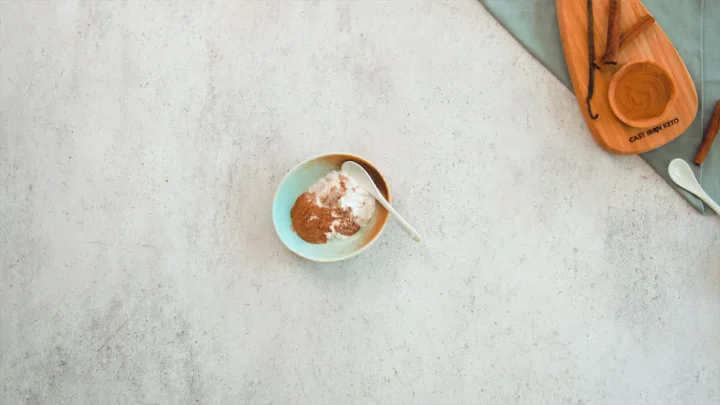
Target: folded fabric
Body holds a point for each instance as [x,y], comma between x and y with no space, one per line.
[694,28]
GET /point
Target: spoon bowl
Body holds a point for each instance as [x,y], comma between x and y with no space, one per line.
[681,173]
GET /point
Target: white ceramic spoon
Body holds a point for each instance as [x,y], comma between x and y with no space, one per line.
[683,176]
[357,172]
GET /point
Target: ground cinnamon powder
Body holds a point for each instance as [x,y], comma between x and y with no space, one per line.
[643,92]
[312,222]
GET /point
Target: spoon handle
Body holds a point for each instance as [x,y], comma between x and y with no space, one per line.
[403,223]
[709,201]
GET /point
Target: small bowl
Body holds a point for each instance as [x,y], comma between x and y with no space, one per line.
[297,181]
[641,85]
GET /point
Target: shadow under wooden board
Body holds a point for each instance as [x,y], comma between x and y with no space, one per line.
[651,45]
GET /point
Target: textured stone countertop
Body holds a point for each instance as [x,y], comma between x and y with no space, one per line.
[140,147]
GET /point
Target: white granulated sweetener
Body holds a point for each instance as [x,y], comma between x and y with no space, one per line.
[354,197]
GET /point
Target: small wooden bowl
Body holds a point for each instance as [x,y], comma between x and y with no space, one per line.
[640,93]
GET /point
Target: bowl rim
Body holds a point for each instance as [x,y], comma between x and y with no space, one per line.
[645,122]
[316,157]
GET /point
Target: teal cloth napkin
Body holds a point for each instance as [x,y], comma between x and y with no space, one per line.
[694,28]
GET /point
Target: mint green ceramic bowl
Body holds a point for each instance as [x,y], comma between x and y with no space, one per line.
[297,181]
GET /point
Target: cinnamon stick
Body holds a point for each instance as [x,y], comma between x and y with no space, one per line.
[634,31]
[613,33]
[710,135]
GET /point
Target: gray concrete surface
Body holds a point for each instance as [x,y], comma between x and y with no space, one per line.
[141,144]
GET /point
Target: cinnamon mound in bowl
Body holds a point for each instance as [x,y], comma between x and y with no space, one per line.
[640,93]
[294,194]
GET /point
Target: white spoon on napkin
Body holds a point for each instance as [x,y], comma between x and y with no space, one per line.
[683,176]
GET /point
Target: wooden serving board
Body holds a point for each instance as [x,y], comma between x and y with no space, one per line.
[611,133]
